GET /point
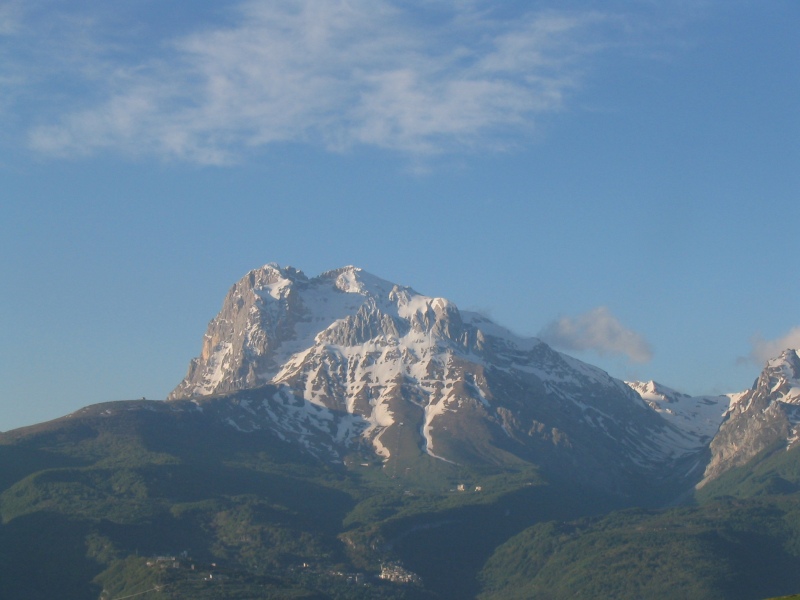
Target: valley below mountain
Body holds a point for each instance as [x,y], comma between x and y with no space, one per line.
[346,437]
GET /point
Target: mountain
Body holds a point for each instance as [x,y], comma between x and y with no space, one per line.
[348,362]
[345,437]
[762,418]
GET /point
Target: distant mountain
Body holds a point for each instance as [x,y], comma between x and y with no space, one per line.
[698,416]
[347,360]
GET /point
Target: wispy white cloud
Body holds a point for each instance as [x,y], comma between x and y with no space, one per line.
[600,331]
[334,73]
[763,350]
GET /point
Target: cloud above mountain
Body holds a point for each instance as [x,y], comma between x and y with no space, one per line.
[764,350]
[417,78]
[599,331]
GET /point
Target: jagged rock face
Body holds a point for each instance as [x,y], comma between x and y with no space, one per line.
[347,358]
[759,418]
[242,344]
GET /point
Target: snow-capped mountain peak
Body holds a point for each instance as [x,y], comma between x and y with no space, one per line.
[348,359]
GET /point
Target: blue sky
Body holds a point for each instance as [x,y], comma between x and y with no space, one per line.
[618,177]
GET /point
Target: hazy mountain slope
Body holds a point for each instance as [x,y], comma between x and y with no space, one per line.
[96,495]
[775,471]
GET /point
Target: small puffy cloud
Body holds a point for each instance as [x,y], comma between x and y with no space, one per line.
[764,350]
[597,330]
